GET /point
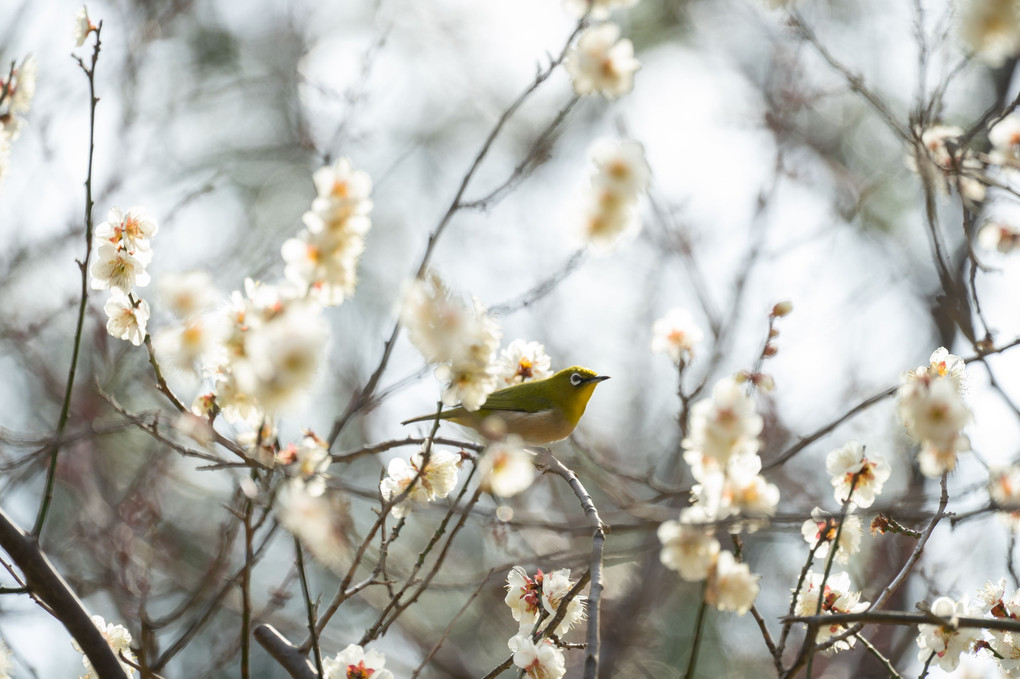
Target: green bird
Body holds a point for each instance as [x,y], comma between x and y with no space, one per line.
[539,411]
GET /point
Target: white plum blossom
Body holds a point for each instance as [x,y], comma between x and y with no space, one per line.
[194,341]
[462,338]
[721,427]
[129,230]
[688,549]
[1004,489]
[322,260]
[609,207]
[599,9]
[120,641]
[676,334]
[602,63]
[187,294]
[114,267]
[1005,644]
[838,597]
[522,361]
[82,26]
[620,166]
[436,481]
[999,235]
[282,355]
[1004,136]
[528,597]
[126,320]
[991,29]
[354,662]
[942,643]
[731,586]
[930,406]
[310,460]
[539,660]
[940,164]
[821,530]
[506,468]
[849,462]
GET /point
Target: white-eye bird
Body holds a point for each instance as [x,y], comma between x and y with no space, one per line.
[539,411]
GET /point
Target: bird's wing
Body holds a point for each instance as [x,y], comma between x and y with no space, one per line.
[528,397]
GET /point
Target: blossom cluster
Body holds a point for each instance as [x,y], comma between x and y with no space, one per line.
[422,479]
[354,662]
[937,157]
[322,261]
[676,334]
[122,252]
[17,88]
[829,596]
[534,601]
[120,641]
[602,63]
[931,407]
[461,338]
[621,174]
[722,451]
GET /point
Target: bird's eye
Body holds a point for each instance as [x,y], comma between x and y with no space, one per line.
[575,379]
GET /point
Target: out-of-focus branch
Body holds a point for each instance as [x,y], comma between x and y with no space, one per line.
[289,656]
[48,587]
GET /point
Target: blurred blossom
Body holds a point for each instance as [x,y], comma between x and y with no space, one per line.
[114,267]
[354,662]
[1004,488]
[848,462]
[1004,136]
[129,230]
[941,165]
[197,340]
[821,530]
[998,235]
[282,355]
[621,174]
[506,468]
[20,89]
[126,320]
[837,598]
[687,549]
[620,166]
[521,361]
[82,26]
[310,459]
[6,661]
[944,644]
[319,521]
[539,660]
[461,337]
[323,259]
[528,597]
[187,294]
[435,482]
[601,63]
[676,334]
[991,29]
[599,8]
[731,586]
[120,641]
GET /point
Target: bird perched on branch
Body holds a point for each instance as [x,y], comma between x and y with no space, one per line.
[540,411]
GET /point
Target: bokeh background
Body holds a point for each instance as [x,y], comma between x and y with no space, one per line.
[772,180]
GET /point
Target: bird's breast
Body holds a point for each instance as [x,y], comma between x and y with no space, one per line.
[544,426]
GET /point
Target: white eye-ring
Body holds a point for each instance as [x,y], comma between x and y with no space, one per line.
[575,379]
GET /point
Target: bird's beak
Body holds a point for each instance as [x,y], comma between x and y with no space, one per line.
[597,378]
